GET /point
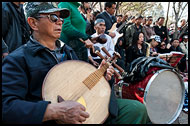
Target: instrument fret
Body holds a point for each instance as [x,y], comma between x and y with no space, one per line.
[94,77]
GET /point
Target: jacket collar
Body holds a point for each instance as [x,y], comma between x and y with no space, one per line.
[35,46]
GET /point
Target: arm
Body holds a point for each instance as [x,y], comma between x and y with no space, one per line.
[66,112]
[6,19]
[15,107]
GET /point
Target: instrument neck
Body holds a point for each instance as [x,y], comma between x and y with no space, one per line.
[94,77]
[121,26]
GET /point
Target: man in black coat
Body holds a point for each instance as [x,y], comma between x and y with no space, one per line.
[15,30]
[108,16]
[161,30]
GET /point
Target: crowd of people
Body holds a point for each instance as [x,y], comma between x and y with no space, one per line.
[40,35]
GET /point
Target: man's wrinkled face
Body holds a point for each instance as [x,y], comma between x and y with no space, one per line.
[100,28]
[48,25]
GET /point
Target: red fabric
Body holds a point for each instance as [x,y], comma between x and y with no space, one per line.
[133,92]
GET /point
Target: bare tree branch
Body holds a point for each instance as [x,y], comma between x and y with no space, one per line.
[183,10]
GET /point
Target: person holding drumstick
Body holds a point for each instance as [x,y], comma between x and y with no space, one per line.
[24,70]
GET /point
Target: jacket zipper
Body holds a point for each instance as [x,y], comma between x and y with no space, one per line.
[53,56]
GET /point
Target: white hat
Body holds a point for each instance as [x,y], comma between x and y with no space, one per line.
[156,38]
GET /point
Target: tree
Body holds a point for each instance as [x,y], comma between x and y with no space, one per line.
[135,8]
[156,11]
[178,8]
[167,14]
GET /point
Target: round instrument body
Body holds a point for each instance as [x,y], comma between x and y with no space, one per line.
[162,93]
[66,79]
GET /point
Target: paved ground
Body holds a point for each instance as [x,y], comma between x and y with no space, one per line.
[182,119]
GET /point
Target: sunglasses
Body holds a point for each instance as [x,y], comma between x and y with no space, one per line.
[52,17]
[163,44]
[88,9]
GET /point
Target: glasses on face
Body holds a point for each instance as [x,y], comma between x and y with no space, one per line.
[150,19]
[52,17]
[163,45]
[88,8]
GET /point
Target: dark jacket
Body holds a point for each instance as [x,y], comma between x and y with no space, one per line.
[23,72]
[108,21]
[133,53]
[162,32]
[139,67]
[4,47]
[15,30]
[177,49]
[130,32]
[161,51]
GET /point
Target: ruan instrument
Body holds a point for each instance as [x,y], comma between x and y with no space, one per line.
[79,81]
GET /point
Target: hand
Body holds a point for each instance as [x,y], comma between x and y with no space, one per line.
[112,34]
[88,16]
[4,55]
[68,112]
[88,43]
[154,54]
[168,46]
[95,63]
[109,72]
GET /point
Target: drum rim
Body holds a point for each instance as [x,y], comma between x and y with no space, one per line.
[183,92]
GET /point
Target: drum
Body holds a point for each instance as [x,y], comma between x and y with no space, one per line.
[162,92]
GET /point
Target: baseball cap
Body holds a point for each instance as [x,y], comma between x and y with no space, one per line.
[32,8]
[185,36]
[98,21]
[156,38]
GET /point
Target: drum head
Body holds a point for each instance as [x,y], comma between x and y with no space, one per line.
[164,97]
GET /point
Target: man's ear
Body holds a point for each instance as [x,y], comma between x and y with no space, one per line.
[33,23]
[95,27]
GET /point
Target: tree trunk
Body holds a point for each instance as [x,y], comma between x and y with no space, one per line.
[176,12]
[117,7]
[167,14]
[100,7]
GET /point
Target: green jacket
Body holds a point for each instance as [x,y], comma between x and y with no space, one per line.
[74,27]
